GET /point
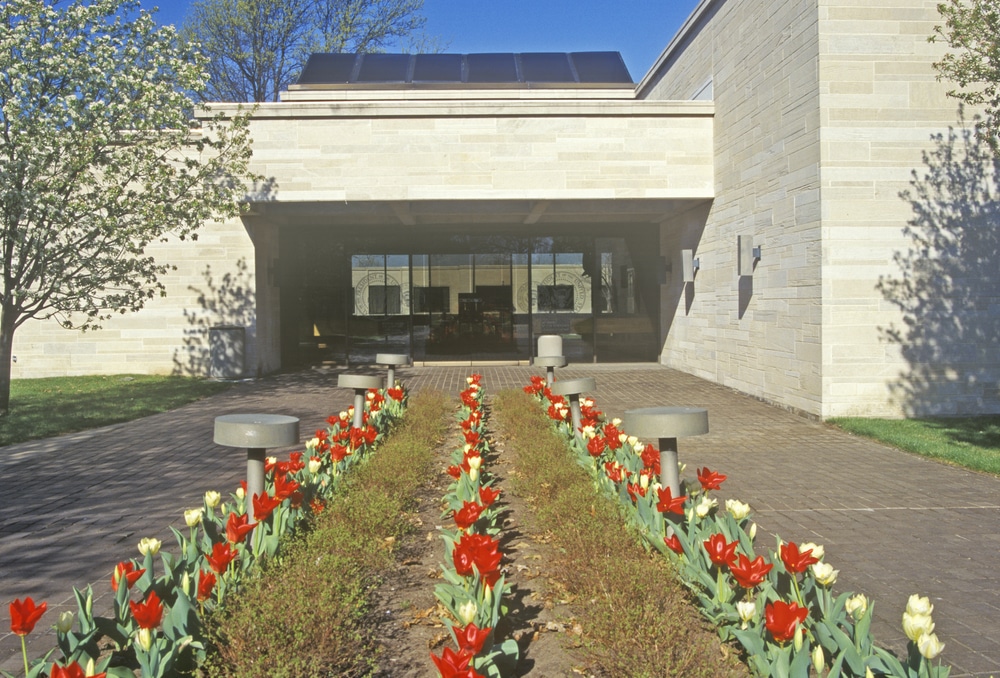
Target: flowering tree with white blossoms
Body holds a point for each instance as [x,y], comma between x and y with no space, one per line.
[99,158]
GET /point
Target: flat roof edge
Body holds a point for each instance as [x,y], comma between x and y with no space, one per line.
[682,33]
[460,108]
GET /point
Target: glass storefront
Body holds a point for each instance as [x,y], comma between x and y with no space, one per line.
[446,296]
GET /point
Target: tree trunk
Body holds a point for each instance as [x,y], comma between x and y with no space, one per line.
[6,349]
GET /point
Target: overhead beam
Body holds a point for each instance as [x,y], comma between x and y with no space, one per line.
[403,213]
[536,212]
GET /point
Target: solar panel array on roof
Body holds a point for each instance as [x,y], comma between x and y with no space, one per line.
[438,68]
[384,68]
[491,68]
[499,69]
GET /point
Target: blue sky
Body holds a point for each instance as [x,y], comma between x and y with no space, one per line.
[639,29]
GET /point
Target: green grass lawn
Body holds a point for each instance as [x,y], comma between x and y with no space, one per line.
[41,408]
[972,442]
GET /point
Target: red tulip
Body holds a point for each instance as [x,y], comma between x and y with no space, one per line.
[338,452]
[316,505]
[463,560]
[472,438]
[651,459]
[536,387]
[794,560]
[611,434]
[222,555]
[71,670]
[283,487]
[479,550]
[710,480]
[148,613]
[454,471]
[748,573]
[472,420]
[396,394]
[454,665]
[667,502]
[263,505]
[719,550]
[595,446]
[468,515]
[674,544]
[206,582]
[781,618]
[471,639]
[635,490]
[24,616]
[488,495]
[125,569]
[615,472]
[357,438]
[237,528]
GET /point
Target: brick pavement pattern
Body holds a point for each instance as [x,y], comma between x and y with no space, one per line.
[891,522]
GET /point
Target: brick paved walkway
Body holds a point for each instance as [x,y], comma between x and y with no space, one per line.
[893,523]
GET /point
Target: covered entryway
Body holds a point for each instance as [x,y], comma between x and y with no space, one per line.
[446,293]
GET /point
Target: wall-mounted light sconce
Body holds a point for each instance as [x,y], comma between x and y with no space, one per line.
[689,265]
[747,254]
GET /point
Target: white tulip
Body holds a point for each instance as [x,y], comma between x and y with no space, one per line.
[705,506]
[929,645]
[817,550]
[856,606]
[919,605]
[824,573]
[737,508]
[916,625]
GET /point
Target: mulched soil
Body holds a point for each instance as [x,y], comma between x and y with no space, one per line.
[410,624]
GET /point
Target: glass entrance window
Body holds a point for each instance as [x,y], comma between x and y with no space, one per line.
[624,326]
[380,321]
[477,297]
[561,300]
[463,305]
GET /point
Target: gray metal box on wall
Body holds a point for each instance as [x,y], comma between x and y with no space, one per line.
[227,345]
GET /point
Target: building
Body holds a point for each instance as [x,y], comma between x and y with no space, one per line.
[736,214]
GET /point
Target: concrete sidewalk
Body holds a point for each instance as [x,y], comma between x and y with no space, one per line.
[892,523]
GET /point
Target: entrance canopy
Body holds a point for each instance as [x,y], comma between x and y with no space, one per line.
[468,214]
[450,220]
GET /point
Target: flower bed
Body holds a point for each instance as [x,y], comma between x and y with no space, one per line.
[157,618]
[473,589]
[779,607]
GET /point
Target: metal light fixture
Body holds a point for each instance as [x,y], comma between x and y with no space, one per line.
[747,254]
[689,265]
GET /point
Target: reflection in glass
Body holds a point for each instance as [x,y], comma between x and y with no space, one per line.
[473,297]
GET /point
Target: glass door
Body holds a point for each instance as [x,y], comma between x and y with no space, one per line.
[561,295]
[379,322]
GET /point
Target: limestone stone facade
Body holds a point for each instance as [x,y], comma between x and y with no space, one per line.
[796,126]
[824,109]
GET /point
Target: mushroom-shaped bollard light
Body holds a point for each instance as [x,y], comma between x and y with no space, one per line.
[550,363]
[667,424]
[257,433]
[360,383]
[572,388]
[392,361]
[549,345]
